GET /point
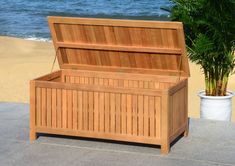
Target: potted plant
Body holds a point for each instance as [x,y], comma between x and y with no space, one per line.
[210,35]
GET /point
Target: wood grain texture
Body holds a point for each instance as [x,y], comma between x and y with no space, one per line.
[123,43]
[120,80]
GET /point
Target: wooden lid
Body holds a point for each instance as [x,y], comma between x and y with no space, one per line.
[150,47]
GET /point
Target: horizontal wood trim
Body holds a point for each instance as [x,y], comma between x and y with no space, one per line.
[120,48]
[101,135]
[116,22]
[97,88]
[123,69]
[118,75]
[178,86]
[50,76]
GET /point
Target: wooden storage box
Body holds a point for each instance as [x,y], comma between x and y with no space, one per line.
[119,79]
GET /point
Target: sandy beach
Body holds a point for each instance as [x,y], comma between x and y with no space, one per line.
[22,60]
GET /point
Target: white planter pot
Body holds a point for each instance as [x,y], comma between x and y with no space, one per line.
[216,107]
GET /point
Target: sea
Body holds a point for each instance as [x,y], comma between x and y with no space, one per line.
[28,18]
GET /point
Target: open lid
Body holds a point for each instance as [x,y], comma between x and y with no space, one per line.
[150,47]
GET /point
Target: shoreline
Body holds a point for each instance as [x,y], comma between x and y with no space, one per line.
[22,60]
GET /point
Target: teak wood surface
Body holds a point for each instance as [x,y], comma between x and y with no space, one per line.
[123,80]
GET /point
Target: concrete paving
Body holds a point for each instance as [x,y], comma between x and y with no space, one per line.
[210,143]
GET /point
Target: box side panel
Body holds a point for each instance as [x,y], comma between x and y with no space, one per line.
[178,112]
[117,82]
[119,116]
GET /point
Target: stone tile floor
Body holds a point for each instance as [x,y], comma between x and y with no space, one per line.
[210,143]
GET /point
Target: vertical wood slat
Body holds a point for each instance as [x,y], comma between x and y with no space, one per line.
[38,107]
[53,110]
[129,113]
[85,110]
[64,108]
[112,113]
[96,111]
[140,115]
[74,109]
[118,113]
[151,117]
[80,110]
[48,109]
[124,113]
[59,108]
[158,117]
[134,115]
[90,111]
[106,110]
[146,116]
[43,107]
[101,108]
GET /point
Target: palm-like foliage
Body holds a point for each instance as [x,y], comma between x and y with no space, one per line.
[210,35]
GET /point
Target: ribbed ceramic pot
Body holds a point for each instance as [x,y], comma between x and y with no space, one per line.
[216,107]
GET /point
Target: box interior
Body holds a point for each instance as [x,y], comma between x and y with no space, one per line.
[111,79]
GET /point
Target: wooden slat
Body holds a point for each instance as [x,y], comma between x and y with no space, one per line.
[102,112]
[112,113]
[99,88]
[146,116]
[122,69]
[75,109]
[134,115]
[43,106]
[38,107]
[85,110]
[91,111]
[48,107]
[53,111]
[96,111]
[129,113]
[158,116]
[151,117]
[80,110]
[118,113]
[64,108]
[123,75]
[140,115]
[108,136]
[115,22]
[70,109]
[124,113]
[175,51]
[59,108]
[107,110]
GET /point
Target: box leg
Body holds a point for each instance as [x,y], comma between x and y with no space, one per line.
[32,135]
[186,129]
[165,148]
[186,132]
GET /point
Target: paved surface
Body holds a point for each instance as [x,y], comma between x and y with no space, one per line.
[209,143]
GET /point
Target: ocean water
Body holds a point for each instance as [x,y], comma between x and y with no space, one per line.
[28,18]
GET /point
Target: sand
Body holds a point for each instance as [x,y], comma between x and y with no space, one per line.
[22,60]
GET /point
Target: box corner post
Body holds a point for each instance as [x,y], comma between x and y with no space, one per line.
[32,132]
[165,132]
[186,110]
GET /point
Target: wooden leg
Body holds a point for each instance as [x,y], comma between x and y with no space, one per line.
[32,135]
[186,133]
[186,130]
[165,148]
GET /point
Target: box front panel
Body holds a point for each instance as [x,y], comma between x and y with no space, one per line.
[103,113]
